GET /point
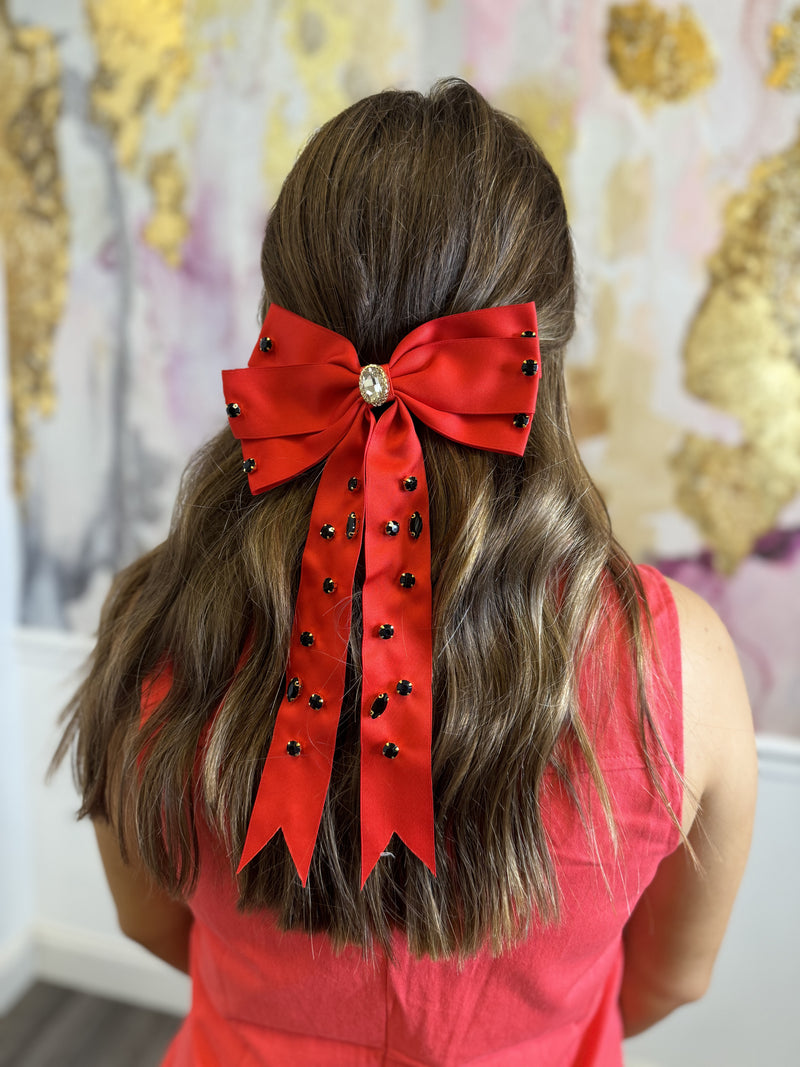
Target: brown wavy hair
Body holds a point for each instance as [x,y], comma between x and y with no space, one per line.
[403,208]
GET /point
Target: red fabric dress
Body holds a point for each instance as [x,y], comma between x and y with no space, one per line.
[263,997]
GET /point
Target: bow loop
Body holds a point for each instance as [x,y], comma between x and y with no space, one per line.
[471,377]
[468,376]
[288,401]
[293,340]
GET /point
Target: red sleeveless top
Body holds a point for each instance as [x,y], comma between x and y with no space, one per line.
[262,997]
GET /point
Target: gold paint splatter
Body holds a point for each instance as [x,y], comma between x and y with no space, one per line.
[546,110]
[312,31]
[588,408]
[658,56]
[784,42]
[167,227]
[332,67]
[34,228]
[208,10]
[742,355]
[143,59]
[628,200]
[613,397]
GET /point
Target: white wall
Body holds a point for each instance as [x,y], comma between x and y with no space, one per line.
[75,939]
[16,882]
[749,1016]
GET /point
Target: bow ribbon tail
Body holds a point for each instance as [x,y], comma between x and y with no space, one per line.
[294,781]
[396,703]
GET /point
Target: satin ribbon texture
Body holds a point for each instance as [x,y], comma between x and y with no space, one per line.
[471,377]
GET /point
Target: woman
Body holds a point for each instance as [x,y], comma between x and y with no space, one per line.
[530,845]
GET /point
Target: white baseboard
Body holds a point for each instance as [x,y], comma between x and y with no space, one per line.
[778,756]
[17,970]
[108,967]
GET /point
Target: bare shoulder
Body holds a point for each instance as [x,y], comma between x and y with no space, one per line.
[719,743]
[674,934]
[708,655]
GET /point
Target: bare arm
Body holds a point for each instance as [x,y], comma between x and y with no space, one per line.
[146,913]
[673,937]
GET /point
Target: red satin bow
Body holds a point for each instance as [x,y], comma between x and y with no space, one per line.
[473,378]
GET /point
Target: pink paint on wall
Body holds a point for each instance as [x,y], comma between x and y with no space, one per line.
[760,605]
[696,212]
[190,322]
[490,31]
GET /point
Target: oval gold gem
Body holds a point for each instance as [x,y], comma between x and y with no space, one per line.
[373,384]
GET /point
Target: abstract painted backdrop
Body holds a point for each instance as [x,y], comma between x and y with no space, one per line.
[142,141]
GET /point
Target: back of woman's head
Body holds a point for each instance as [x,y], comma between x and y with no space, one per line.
[406,207]
[402,209]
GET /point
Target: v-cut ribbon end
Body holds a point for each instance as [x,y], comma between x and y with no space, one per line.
[298,849]
[424,850]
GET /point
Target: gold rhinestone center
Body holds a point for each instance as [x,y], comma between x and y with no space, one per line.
[374,385]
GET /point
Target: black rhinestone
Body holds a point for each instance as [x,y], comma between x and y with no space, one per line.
[404,687]
[386,631]
[527,333]
[294,748]
[415,525]
[327,532]
[329,586]
[249,466]
[307,638]
[316,701]
[410,484]
[392,528]
[407,580]
[352,525]
[390,750]
[352,484]
[521,421]
[265,344]
[379,705]
[233,411]
[530,367]
[293,692]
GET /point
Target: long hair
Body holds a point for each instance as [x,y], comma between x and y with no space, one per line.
[401,209]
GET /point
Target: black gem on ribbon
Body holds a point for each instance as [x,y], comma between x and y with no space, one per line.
[410,484]
[415,525]
[294,748]
[233,411]
[327,532]
[316,701]
[528,333]
[404,687]
[352,484]
[390,750]
[265,344]
[249,466]
[521,421]
[307,638]
[379,705]
[293,692]
[329,586]
[529,367]
[392,528]
[386,631]
[407,580]
[352,526]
